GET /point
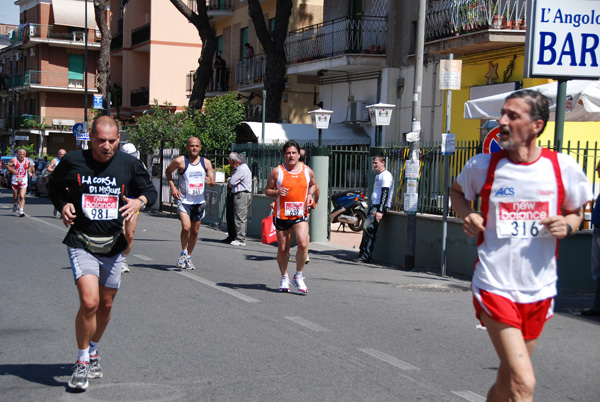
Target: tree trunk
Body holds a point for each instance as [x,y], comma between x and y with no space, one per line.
[203,73]
[103,82]
[274,45]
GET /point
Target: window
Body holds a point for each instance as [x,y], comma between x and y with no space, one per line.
[75,70]
[220,45]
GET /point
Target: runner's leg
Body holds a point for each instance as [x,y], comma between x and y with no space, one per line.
[284,238]
[107,296]
[193,236]
[85,322]
[516,378]
[301,232]
[186,225]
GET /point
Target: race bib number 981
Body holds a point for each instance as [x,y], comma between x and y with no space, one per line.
[522,219]
[100,207]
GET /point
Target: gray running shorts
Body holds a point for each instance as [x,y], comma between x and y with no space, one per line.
[107,269]
[195,211]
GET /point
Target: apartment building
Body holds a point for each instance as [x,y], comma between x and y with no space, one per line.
[234,28]
[153,49]
[45,71]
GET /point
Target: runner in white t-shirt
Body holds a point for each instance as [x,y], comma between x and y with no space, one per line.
[21,169]
[530,198]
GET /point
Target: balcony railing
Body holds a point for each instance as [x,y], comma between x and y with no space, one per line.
[446,18]
[116,43]
[367,35]
[58,32]
[219,81]
[211,5]
[140,35]
[49,79]
[250,71]
[140,97]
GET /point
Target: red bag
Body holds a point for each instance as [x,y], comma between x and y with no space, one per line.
[269,233]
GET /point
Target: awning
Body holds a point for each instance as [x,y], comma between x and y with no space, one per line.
[336,134]
[582,103]
[72,13]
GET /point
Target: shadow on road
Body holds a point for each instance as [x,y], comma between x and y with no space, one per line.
[39,373]
[249,286]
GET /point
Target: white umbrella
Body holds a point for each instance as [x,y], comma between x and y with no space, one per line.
[583,102]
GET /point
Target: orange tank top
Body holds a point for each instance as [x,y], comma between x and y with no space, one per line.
[293,205]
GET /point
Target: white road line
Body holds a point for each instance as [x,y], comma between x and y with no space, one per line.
[143,257]
[389,359]
[231,292]
[55,226]
[307,324]
[469,396]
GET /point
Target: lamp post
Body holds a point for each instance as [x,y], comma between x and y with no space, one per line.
[85,69]
[318,225]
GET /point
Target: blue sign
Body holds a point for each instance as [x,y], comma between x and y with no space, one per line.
[80,132]
[97,101]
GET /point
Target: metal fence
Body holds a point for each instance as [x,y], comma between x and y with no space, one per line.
[350,167]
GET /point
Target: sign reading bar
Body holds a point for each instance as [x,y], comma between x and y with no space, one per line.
[563,39]
[450,72]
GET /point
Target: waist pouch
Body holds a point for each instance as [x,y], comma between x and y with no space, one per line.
[98,244]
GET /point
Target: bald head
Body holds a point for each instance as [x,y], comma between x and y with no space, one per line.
[105,121]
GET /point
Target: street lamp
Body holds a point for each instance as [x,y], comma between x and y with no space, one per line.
[381,115]
[320,120]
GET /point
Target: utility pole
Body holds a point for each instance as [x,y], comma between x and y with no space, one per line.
[411,227]
[13,87]
[85,80]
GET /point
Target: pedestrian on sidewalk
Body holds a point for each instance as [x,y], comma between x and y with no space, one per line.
[381,201]
[240,184]
[195,172]
[89,188]
[531,197]
[293,185]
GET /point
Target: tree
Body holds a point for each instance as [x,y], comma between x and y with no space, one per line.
[274,45]
[153,129]
[104,58]
[203,73]
[216,125]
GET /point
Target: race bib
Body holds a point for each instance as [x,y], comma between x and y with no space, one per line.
[97,207]
[522,219]
[294,208]
[196,188]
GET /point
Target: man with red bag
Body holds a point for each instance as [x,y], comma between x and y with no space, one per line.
[293,185]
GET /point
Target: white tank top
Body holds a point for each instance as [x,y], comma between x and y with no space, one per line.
[192,182]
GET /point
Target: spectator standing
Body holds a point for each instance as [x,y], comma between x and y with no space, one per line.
[229,217]
[240,184]
[595,309]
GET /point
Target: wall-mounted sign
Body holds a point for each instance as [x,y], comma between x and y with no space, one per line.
[563,39]
[450,73]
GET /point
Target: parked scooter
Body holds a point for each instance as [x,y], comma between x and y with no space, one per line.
[349,207]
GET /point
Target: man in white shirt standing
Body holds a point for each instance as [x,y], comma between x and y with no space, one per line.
[381,201]
[240,184]
[530,198]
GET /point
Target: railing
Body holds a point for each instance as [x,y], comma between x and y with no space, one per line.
[49,79]
[446,18]
[140,97]
[250,71]
[58,32]
[219,81]
[116,43]
[140,35]
[349,167]
[212,5]
[366,35]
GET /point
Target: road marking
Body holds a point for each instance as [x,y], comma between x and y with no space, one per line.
[389,359]
[469,396]
[62,227]
[143,257]
[231,292]
[307,324]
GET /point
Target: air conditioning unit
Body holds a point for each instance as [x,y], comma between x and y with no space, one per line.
[32,31]
[98,35]
[358,111]
[11,34]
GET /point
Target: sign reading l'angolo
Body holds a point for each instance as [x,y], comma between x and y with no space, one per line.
[563,39]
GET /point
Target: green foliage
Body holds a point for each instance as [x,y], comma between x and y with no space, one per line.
[215,126]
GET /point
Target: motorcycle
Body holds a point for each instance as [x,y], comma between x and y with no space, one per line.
[349,207]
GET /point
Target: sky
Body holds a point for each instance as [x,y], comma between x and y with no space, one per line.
[9,13]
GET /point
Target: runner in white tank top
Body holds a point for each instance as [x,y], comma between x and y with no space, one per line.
[20,169]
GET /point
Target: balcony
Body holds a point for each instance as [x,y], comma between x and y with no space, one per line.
[249,73]
[219,82]
[140,97]
[58,35]
[33,81]
[473,26]
[28,122]
[216,9]
[116,42]
[348,44]
[140,35]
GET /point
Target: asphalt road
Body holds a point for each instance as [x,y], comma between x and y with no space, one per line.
[224,333]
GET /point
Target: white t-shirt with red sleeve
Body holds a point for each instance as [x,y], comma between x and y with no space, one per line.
[516,254]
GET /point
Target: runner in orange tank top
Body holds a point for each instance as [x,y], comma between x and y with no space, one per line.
[293,185]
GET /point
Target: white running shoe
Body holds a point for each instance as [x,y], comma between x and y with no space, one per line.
[307,259]
[299,283]
[181,260]
[95,369]
[189,264]
[79,379]
[237,243]
[21,213]
[124,267]
[284,286]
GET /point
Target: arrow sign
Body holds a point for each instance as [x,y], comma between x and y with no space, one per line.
[80,132]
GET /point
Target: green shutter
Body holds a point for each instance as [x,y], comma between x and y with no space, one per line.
[76,67]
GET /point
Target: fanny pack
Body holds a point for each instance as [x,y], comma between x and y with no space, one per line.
[98,244]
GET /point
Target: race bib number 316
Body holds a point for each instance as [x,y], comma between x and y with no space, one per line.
[100,207]
[522,219]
